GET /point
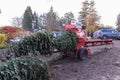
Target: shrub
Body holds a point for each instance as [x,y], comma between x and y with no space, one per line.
[3,38]
[24,68]
[10,32]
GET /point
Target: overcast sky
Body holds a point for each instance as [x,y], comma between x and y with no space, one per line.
[107,9]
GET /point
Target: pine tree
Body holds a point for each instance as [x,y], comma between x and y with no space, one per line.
[35,21]
[27,19]
[89,16]
[84,12]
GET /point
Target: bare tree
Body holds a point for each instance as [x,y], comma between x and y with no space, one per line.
[17,21]
[52,20]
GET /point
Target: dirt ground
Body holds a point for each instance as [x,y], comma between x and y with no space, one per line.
[103,64]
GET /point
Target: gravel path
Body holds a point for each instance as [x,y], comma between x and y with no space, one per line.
[103,64]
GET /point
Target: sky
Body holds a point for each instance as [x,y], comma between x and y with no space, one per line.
[107,9]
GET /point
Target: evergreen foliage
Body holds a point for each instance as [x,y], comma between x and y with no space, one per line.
[24,68]
[27,19]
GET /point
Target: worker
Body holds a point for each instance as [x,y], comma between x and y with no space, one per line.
[56,35]
[91,35]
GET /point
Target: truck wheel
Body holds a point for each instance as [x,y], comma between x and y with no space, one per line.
[118,38]
[104,37]
[83,54]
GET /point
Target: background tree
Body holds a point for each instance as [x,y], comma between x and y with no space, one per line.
[27,19]
[84,11]
[35,21]
[52,20]
[89,16]
[62,22]
[17,21]
[118,22]
[42,21]
[92,18]
[69,17]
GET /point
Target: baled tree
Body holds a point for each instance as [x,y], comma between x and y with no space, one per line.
[27,19]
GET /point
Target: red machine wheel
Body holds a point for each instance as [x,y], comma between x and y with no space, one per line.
[64,55]
[83,53]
